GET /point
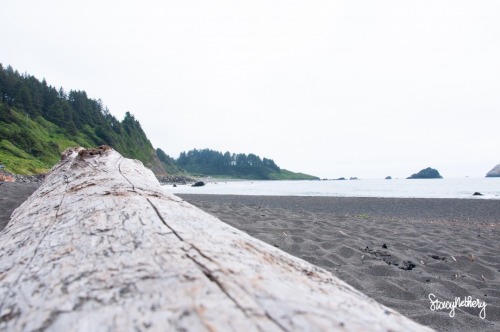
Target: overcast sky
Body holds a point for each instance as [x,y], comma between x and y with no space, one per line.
[331,88]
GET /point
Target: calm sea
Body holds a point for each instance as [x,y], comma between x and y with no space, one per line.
[435,188]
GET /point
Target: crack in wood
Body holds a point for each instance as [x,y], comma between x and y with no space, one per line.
[163,220]
[210,274]
[10,313]
[81,186]
[120,170]
[207,272]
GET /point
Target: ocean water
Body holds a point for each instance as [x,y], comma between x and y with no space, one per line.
[423,188]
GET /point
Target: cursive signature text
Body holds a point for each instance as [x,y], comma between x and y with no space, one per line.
[468,302]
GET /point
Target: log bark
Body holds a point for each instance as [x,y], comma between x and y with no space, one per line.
[100,246]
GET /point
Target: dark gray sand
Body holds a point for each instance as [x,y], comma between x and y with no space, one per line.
[12,194]
[397,251]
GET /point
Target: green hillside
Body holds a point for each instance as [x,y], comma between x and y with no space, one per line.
[31,146]
[38,122]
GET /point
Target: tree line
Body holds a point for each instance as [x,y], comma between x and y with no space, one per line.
[73,112]
[215,163]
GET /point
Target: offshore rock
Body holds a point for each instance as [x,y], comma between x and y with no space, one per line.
[428,173]
[494,173]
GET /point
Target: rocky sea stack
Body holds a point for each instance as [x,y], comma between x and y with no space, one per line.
[494,173]
[428,173]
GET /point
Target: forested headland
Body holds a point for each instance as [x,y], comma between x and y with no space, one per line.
[251,166]
[38,121]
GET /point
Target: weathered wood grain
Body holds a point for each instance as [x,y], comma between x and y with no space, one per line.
[100,246]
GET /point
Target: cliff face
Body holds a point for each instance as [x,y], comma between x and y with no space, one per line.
[156,166]
[494,173]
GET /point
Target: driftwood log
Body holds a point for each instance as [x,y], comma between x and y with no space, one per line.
[101,247]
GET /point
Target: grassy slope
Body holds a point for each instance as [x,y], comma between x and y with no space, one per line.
[32,146]
[288,175]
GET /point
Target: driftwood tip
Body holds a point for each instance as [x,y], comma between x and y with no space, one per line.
[85,153]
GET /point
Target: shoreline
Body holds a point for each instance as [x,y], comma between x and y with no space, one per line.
[459,188]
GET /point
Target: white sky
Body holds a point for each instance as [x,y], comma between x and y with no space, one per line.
[331,88]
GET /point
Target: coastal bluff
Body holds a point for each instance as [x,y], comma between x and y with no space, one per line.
[101,246]
[494,173]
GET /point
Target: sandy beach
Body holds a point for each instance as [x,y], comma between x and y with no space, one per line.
[397,251]
[12,194]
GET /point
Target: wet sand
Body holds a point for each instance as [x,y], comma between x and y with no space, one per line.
[397,251]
